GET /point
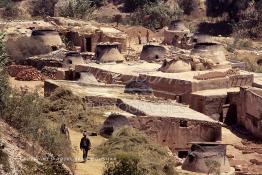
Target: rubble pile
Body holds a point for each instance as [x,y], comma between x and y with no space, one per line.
[25,73]
[49,72]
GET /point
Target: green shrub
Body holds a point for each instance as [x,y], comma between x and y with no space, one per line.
[98,3]
[23,111]
[44,8]
[155,15]
[123,164]
[78,9]
[188,6]
[10,10]
[4,86]
[250,22]
[153,159]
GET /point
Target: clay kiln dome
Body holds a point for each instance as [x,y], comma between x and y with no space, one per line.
[72,58]
[204,156]
[211,51]
[201,38]
[112,122]
[177,29]
[175,66]
[152,52]
[108,52]
[48,37]
[179,26]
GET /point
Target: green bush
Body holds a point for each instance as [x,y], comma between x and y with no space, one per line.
[4,86]
[10,10]
[155,15]
[123,164]
[78,9]
[98,3]
[23,111]
[44,8]
[250,22]
[188,6]
[153,159]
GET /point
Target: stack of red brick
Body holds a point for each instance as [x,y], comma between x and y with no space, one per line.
[25,73]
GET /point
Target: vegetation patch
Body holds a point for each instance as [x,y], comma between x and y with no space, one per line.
[23,111]
[142,155]
[64,107]
[78,9]
[155,15]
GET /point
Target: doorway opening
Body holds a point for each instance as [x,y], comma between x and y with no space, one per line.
[182,154]
[88,44]
[231,116]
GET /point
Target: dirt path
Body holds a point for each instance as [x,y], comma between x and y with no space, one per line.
[90,167]
[239,158]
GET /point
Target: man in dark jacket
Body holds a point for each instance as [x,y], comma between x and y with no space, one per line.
[85,145]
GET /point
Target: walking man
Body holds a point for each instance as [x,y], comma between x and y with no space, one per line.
[65,131]
[139,38]
[147,36]
[85,145]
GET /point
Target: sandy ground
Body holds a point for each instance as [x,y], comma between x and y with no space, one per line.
[30,85]
[239,158]
[93,166]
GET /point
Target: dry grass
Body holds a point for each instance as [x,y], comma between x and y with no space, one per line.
[64,107]
[24,111]
[4,161]
[153,158]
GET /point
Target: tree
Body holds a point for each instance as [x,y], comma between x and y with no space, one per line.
[155,15]
[44,8]
[78,9]
[188,6]
[132,5]
[10,9]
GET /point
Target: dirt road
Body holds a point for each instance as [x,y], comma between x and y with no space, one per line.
[90,167]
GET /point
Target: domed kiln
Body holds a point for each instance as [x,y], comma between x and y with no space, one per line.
[176,30]
[175,66]
[48,37]
[152,52]
[108,52]
[72,58]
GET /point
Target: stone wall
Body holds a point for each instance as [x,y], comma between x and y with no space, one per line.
[177,133]
[249,111]
[209,105]
[105,76]
[167,87]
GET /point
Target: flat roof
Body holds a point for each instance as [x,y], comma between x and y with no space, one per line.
[172,110]
[131,68]
[218,92]
[149,69]
[83,90]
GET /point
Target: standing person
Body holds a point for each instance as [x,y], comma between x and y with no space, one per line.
[64,130]
[139,38]
[85,145]
[147,36]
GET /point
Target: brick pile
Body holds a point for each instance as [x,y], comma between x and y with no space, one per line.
[25,73]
